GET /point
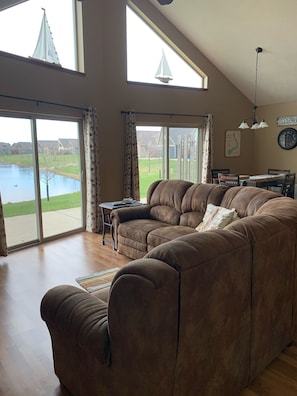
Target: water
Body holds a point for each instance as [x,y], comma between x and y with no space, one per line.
[17,184]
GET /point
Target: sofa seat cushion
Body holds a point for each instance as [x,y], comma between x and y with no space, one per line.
[133,234]
[166,234]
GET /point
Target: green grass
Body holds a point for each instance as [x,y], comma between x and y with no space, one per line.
[151,170]
[59,202]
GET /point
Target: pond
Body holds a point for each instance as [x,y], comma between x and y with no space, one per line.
[17,184]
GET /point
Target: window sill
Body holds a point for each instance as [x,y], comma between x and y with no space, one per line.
[39,62]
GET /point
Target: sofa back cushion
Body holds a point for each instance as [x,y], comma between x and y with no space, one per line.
[166,199]
[143,314]
[247,200]
[196,199]
[283,207]
[215,284]
[273,239]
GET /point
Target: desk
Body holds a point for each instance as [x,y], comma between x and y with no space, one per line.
[262,181]
[106,209]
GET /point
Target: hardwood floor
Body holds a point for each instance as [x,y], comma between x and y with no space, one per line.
[26,366]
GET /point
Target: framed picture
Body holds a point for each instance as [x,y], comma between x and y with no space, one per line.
[232,143]
[286,120]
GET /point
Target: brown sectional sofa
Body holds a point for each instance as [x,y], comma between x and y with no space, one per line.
[175,208]
[202,314]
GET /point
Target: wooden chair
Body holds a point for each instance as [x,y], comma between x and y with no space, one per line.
[229,179]
[279,186]
[215,172]
[288,189]
[278,171]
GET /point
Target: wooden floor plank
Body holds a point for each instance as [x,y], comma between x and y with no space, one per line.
[26,366]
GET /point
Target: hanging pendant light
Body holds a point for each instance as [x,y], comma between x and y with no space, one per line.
[255,123]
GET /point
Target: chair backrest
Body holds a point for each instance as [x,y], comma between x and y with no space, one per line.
[229,179]
[215,172]
[278,171]
[288,189]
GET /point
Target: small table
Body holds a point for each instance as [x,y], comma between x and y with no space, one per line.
[106,208]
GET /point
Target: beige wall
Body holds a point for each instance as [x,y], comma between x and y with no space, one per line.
[104,86]
[267,152]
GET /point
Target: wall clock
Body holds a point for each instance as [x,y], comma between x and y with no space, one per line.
[287,138]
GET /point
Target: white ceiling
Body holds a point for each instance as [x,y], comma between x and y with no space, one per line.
[227,32]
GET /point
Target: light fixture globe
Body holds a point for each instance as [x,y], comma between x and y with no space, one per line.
[263,124]
[243,125]
[255,125]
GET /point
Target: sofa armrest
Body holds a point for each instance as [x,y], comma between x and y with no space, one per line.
[74,313]
[121,215]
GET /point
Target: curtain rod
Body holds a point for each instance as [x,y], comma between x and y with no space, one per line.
[43,102]
[166,114]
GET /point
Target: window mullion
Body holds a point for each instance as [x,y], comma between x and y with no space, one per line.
[37,178]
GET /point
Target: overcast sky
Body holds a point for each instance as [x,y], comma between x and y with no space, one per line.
[14,130]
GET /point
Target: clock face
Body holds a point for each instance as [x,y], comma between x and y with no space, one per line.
[287,138]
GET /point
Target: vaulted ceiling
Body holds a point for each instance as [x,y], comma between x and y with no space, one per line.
[228,32]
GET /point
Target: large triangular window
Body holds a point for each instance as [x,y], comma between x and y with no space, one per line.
[153,59]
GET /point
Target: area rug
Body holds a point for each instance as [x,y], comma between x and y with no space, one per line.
[97,280]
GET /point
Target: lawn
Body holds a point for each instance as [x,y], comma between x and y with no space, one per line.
[152,169]
[59,202]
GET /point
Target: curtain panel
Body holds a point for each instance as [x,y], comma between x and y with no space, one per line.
[93,189]
[207,139]
[131,175]
[3,245]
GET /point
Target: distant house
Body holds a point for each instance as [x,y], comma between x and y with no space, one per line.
[5,148]
[68,146]
[48,147]
[150,141]
[21,148]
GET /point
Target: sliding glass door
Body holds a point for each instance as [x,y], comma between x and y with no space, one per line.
[168,152]
[17,184]
[40,178]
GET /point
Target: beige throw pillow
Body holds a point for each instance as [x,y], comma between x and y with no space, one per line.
[216,217]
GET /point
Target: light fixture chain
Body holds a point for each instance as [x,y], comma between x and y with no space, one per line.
[258,49]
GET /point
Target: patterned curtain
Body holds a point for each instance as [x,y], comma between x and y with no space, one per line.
[3,246]
[207,150]
[93,215]
[131,177]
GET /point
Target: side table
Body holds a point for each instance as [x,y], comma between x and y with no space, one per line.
[106,208]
